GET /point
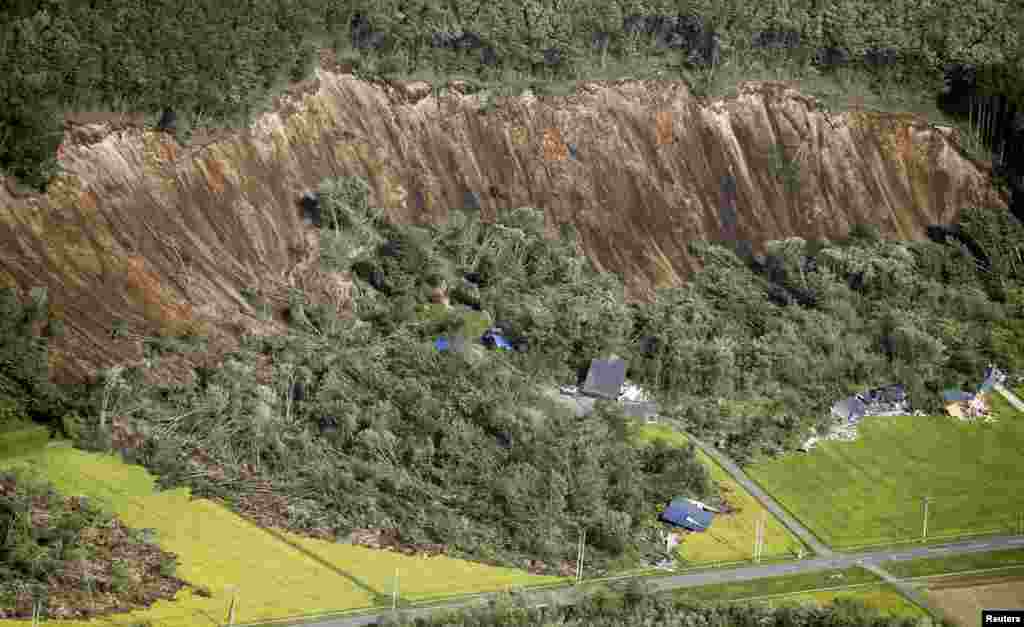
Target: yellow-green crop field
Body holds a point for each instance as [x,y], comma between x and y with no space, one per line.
[419,578]
[215,547]
[731,537]
[882,597]
[218,549]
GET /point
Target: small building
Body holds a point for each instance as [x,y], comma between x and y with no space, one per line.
[683,512]
[605,378]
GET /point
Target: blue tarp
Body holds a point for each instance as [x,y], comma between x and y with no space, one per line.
[441,344]
[682,513]
[495,340]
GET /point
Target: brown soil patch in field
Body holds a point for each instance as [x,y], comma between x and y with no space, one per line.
[963,599]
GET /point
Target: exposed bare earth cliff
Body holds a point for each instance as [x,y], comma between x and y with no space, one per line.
[165,236]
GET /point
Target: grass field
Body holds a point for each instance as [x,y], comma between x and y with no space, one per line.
[731,537]
[806,588]
[883,597]
[870,491]
[790,584]
[953,564]
[218,549]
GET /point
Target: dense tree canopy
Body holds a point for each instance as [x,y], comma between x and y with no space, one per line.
[218,62]
[634,605]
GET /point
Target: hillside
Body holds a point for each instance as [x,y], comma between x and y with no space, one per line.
[230,262]
[140,228]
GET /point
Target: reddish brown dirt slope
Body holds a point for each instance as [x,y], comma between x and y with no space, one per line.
[165,236]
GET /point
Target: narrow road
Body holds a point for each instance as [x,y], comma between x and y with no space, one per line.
[868,560]
[769,503]
[1010,396]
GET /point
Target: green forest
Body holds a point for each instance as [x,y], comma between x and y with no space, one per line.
[219,63]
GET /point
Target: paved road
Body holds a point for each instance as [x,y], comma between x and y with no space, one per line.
[769,503]
[868,560]
[1010,396]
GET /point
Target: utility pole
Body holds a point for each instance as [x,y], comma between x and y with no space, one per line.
[764,528]
[394,593]
[924,530]
[579,558]
[757,538]
[231,607]
[759,541]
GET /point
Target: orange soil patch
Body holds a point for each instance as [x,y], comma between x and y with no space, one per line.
[663,121]
[554,148]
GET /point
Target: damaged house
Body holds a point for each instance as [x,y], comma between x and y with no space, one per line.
[889,400]
[968,406]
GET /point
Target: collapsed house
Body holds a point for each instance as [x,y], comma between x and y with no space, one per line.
[972,406]
[888,400]
[963,405]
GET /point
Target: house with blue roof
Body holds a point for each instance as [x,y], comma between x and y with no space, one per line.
[685,513]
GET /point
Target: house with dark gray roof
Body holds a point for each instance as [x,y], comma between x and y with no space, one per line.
[605,378]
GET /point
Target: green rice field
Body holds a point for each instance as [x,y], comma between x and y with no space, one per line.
[731,536]
[870,491]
